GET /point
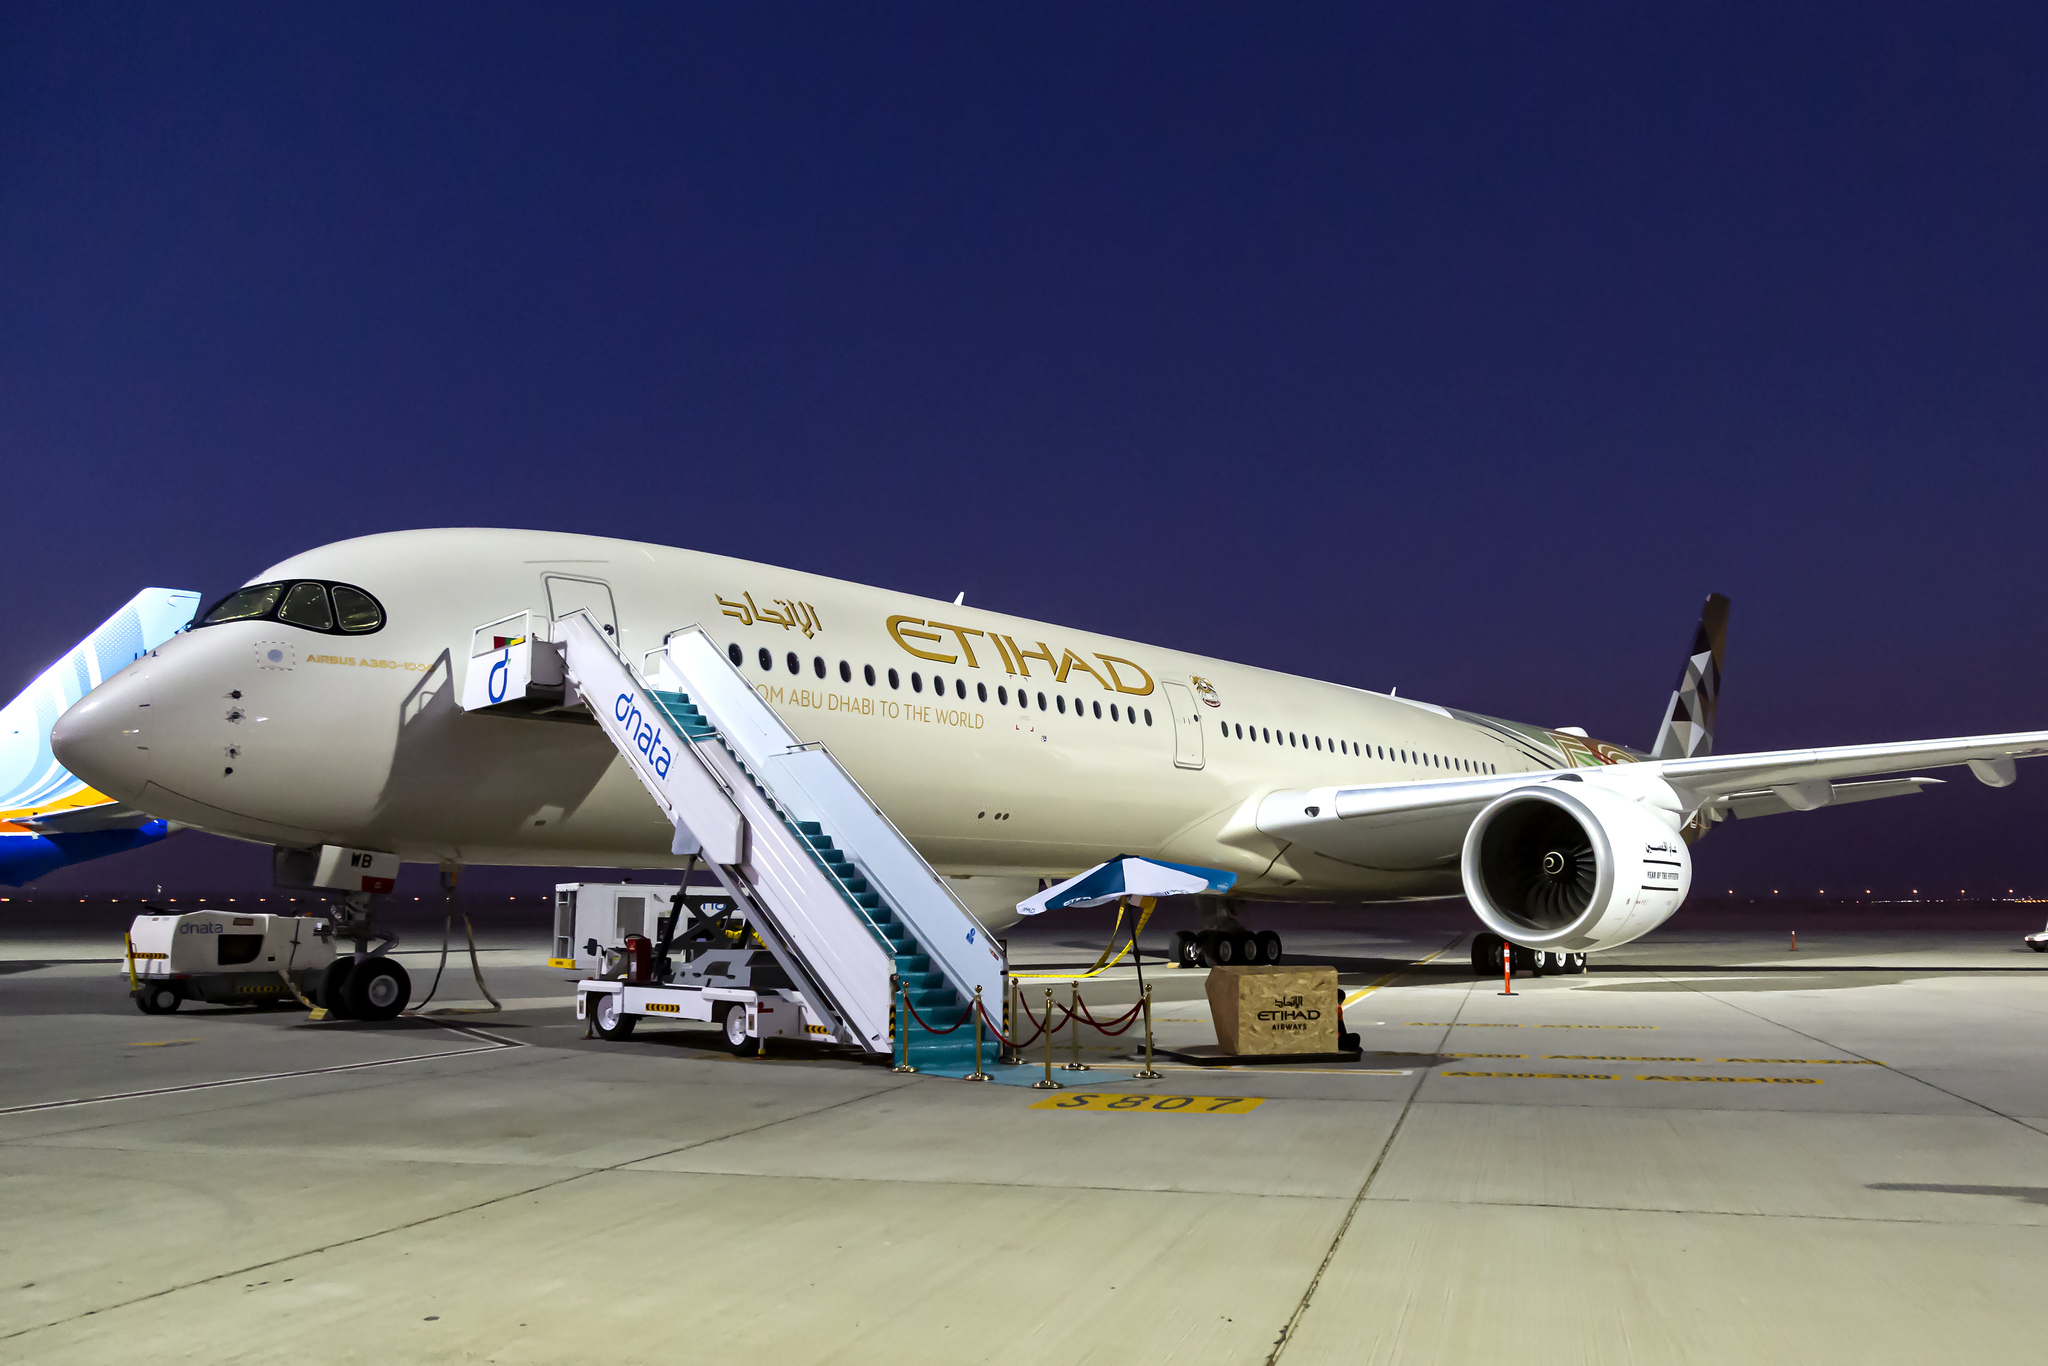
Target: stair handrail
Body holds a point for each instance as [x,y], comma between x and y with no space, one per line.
[819,746]
[526,617]
[846,893]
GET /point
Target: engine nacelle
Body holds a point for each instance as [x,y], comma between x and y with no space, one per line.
[1572,867]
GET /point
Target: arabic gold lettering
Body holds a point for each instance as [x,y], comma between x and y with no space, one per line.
[737,609]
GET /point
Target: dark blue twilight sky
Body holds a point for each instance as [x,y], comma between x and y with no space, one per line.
[1463,348]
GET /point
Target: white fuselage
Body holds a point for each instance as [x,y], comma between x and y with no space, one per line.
[266,732]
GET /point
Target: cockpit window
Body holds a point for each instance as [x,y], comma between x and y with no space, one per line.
[309,604]
[249,604]
[359,611]
[306,605]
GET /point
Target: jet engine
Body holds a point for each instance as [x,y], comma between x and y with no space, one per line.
[1572,867]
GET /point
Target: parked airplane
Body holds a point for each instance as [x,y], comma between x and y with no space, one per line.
[48,817]
[319,705]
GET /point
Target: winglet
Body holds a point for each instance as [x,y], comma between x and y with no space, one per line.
[1688,729]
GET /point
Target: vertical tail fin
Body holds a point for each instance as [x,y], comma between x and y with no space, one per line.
[1688,728]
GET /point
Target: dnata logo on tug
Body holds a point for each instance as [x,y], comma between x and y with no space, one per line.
[645,735]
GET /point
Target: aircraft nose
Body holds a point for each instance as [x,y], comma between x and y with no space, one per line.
[104,738]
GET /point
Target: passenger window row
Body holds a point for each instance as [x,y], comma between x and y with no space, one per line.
[1323,743]
[1081,707]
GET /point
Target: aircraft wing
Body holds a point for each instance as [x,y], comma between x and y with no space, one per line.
[1390,824]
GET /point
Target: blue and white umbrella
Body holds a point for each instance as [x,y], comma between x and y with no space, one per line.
[1122,877]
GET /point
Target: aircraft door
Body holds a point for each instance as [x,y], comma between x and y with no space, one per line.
[568,594]
[1187,725]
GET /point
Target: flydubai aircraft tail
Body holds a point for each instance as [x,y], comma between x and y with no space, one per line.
[48,817]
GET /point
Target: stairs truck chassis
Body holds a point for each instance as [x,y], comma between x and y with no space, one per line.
[747,1018]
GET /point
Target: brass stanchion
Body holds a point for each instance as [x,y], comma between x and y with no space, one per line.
[977,1074]
[1009,1054]
[1047,1083]
[902,1021]
[1074,1018]
[1148,1074]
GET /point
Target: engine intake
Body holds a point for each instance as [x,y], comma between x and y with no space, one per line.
[1573,868]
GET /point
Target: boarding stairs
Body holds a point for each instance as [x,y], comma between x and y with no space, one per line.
[834,890]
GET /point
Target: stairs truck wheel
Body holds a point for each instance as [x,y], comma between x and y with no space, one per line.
[1186,952]
[1269,947]
[612,1022]
[736,1028]
[157,998]
[333,989]
[378,990]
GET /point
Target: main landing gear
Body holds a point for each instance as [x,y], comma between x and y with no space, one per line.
[1487,948]
[1226,948]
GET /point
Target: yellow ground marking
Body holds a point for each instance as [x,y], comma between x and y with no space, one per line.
[1491,1024]
[1610,1057]
[1168,1105]
[162,1043]
[1548,1076]
[1809,1062]
[1764,1081]
[1363,992]
[1603,1076]
[1292,1071]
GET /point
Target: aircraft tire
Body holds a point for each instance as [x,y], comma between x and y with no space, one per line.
[1575,962]
[611,1022]
[1269,947]
[2038,945]
[1486,954]
[1186,952]
[378,989]
[1525,961]
[333,990]
[1249,950]
[158,998]
[1223,950]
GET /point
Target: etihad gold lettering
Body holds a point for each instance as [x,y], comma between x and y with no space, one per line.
[962,632]
[1070,661]
[1004,651]
[1044,652]
[900,627]
[1111,661]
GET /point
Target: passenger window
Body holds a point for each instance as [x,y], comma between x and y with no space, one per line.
[916,683]
[248,604]
[306,605]
[1148,716]
[1061,703]
[818,666]
[1268,734]
[894,682]
[1002,696]
[767,661]
[732,652]
[796,666]
[238,948]
[1041,701]
[1098,710]
[867,671]
[960,689]
[1113,713]
[845,672]
[1319,744]
[981,692]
